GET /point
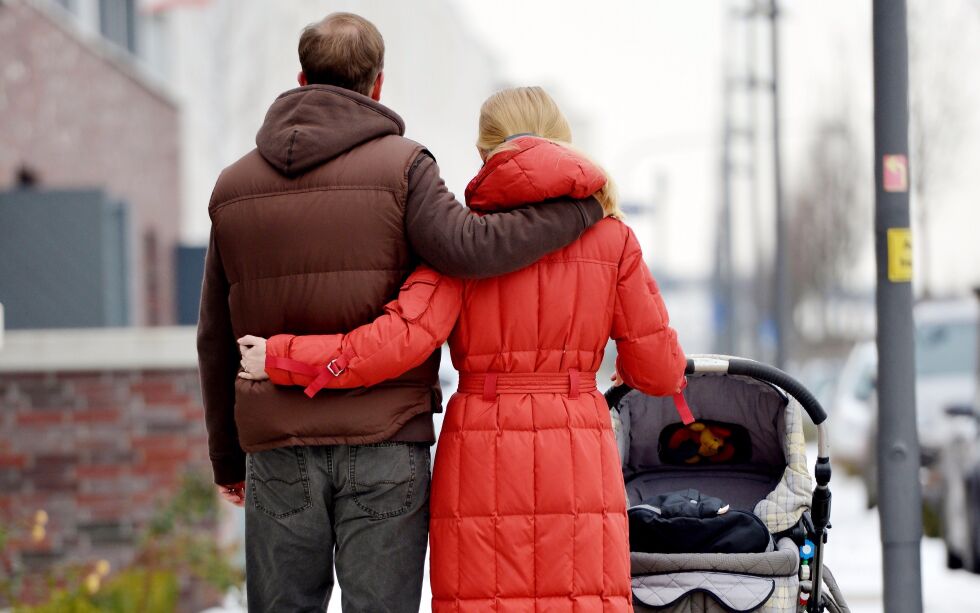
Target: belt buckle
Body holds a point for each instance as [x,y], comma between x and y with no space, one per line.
[335,370]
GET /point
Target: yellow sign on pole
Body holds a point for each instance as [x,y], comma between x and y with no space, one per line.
[899,255]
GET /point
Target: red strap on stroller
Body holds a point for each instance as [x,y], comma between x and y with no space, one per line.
[682,409]
[680,403]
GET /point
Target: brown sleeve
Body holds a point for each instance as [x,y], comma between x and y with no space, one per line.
[459,243]
[218,359]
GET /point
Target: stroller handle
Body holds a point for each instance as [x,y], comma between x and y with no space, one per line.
[762,372]
[731,365]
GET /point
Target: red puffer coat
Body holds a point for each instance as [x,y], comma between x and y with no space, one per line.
[528,509]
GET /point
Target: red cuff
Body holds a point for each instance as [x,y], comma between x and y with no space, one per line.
[290,365]
[334,368]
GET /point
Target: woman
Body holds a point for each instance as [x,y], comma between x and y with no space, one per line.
[527,504]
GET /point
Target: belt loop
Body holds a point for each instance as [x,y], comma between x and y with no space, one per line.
[573,383]
[490,387]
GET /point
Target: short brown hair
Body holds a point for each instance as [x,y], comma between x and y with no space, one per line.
[344,50]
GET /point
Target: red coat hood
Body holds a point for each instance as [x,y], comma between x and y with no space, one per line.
[534,170]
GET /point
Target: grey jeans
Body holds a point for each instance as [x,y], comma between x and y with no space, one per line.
[363,509]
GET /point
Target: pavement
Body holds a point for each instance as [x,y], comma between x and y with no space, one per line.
[853,554]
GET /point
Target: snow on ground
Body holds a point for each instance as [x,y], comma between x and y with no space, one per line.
[853,554]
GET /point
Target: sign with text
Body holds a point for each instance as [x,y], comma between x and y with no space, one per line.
[899,255]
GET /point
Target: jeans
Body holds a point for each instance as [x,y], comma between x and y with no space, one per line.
[363,509]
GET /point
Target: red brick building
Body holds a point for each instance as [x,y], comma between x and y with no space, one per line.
[97,426]
[79,112]
[97,436]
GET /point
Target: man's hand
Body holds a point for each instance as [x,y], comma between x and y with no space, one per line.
[253,358]
[616,379]
[234,493]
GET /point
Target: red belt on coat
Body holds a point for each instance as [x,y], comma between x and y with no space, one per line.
[491,384]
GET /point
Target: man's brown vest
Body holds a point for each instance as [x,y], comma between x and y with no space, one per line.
[320,252]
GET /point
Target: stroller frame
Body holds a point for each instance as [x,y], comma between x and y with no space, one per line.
[818,522]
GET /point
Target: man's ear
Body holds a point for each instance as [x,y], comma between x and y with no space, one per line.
[376,90]
[301,78]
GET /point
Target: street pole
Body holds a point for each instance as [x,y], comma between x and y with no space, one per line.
[763,308]
[900,499]
[781,269]
[724,274]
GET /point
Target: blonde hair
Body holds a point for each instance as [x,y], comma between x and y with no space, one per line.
[531,111]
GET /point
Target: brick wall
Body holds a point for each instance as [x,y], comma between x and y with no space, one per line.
[97,451]
[82,114]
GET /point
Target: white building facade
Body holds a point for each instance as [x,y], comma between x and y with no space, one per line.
[227,60]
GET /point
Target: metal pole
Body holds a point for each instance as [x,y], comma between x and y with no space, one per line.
[900,500]
[763,308]
[725,311]
[781,281]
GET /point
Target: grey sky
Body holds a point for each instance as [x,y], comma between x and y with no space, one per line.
[647,77]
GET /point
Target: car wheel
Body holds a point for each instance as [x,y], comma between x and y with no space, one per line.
[952,520]
[953,561]
[971,558]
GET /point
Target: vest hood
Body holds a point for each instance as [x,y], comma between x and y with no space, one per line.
[310,125]
[532,170]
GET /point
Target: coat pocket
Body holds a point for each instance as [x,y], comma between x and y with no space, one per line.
[416,295]
[386,477]
[279,485]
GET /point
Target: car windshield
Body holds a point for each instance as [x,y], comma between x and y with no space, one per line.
[946,348]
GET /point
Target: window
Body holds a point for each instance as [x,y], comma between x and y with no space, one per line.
[946,348]
[117,22]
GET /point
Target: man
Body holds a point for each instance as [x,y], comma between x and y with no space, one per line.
[312,233]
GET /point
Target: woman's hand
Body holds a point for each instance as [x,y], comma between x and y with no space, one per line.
[616,379]
[253,358]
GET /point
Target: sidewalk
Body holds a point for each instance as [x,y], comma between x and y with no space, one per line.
[854,556]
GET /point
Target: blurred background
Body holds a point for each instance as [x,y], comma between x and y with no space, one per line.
[118,115]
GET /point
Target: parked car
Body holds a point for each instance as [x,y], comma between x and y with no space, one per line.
[959,463]
[959,467]
[852,407]
[945,364]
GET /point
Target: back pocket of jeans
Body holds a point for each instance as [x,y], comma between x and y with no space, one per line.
[278,481]
[384,477]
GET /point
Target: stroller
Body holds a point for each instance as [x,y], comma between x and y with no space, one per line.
[746,449]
